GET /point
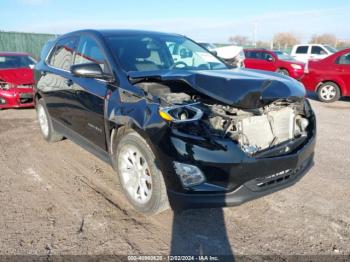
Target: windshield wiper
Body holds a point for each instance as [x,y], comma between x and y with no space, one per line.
[138,79]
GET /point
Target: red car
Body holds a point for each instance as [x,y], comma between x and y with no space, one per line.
[16,80]
[329,77]
[275,61]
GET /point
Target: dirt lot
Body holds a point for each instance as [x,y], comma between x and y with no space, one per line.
[59,199]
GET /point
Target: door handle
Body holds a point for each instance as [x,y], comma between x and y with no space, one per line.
[69,82]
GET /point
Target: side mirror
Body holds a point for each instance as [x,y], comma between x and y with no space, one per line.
[270,59]
[89,70]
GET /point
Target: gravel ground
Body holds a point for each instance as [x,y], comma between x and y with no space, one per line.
[57,199]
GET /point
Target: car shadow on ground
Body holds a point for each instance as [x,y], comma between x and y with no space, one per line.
[201,232]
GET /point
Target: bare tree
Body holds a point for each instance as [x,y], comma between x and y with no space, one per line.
[262,44]
[239,40]
[284,40]
[328,39]
[342,44]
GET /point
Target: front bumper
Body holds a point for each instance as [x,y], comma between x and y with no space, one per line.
[239,196]
[250,179]
[16,98]
[297,74]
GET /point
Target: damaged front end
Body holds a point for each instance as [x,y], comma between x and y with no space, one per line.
[233,146]
[255,130]
[261,129]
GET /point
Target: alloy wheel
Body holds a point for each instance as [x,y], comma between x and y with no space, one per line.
[43,121]
[135,174]
[328,92]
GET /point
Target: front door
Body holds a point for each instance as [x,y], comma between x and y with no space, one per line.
[89,102]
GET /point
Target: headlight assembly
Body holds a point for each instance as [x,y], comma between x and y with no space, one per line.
[5,85]
[180,113]
[295,66]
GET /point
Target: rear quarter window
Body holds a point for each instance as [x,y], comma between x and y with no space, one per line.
[343,60]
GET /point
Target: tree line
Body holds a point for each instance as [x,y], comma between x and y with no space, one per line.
[285,40]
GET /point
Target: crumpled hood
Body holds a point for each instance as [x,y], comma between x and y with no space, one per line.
[241,88]
[17,76]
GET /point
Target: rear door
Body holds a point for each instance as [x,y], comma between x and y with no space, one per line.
[89,94]
[252,59]
[53,81]
[259,60]
[342,69]
[318,52]
[302,53]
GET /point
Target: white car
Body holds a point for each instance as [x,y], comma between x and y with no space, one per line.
[306,52]
[232,54]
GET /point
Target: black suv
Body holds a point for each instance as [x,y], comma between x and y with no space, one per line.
[176,123]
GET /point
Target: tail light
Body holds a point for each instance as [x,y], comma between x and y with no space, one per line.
[306,68]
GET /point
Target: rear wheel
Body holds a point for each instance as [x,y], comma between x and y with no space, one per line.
[140,175]
[328,92]
[45,123]
[283,71]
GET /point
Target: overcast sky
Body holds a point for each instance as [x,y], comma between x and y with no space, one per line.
[202,20]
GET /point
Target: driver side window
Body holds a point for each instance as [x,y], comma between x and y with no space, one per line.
[89,52]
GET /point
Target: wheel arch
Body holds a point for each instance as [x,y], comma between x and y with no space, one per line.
[118,129]
[340,86]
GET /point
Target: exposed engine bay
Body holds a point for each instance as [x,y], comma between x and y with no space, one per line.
[253,129]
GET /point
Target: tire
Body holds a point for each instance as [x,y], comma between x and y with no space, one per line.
[139,174]
[328,92]
[45,123]
[283,72]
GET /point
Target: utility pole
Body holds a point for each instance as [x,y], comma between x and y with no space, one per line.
[255,31]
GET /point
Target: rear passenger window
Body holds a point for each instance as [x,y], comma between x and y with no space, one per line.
[89,52]
[317,50]
[62,54]
[253,55]
[301,50]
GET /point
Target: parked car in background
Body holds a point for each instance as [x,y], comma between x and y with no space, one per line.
[231,54]
[275,61]
[16,80]
[329,77]
[306,52]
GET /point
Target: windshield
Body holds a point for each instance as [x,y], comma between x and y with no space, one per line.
[16,61]
[283,56]
[161,52]
[331,49]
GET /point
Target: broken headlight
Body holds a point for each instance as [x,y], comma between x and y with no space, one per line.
[5,86]
[180,113]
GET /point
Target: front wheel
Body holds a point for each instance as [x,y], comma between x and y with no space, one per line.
[283,72]
[140,175]
[328,92]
